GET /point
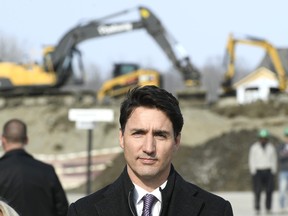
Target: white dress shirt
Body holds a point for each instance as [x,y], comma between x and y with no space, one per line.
[140,192]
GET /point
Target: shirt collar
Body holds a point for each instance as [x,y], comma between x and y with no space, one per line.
[140,192]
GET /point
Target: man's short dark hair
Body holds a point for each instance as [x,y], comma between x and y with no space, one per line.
[152,97]
[15,130]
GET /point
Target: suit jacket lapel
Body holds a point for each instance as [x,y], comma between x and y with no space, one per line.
[181,195]
[187,204]
[109,206]
[115,201]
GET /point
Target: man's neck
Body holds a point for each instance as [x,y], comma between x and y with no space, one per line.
[12,147]
[148,184]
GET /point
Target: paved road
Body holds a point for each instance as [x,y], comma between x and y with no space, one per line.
[242,203]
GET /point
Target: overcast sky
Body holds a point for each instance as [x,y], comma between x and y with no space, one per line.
[202,27]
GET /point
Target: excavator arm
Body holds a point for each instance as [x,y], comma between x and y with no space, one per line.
[270,49]
[61,56]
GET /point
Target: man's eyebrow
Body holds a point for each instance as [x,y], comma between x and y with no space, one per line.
[165,132]
[138,130]
[145,130]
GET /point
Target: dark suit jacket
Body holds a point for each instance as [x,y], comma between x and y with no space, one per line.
[31,187]
[179,198]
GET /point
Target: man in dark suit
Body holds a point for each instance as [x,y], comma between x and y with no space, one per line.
[31,187]
[150,133]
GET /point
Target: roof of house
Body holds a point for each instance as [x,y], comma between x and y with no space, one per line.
[261,72]
[268,63]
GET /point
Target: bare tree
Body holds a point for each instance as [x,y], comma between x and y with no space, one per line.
[94,79]
[10,49]
[172,81]
[242,69]
[213,74]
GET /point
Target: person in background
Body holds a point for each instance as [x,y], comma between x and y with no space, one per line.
[6,210]
[283,171]
[150,135]
[263,167]
[30,186]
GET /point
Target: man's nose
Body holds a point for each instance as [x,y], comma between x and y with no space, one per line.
[149,145]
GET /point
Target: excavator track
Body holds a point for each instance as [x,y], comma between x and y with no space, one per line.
[52,96]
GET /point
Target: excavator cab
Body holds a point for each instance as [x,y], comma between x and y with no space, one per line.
[124,68]
[47,60]
[125,77]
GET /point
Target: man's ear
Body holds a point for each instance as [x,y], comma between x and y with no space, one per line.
[177,142]
[3,142]
[121,138]
[26,141]
[3,139]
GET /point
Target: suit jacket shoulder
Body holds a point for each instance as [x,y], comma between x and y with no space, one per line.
[189,199]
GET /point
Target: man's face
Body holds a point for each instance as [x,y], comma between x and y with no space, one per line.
[263,140]
[149,144]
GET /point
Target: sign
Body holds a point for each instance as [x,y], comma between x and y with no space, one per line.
[86,118]
[91,115]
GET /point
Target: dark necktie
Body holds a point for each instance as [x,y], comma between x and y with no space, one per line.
[149,201]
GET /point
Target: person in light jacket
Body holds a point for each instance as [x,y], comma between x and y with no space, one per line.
[263,167]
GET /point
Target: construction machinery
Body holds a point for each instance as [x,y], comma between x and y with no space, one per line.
[126,76]
[273,61]
[57,61]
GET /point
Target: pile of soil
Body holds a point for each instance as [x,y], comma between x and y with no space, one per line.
[221,164]
[259,109]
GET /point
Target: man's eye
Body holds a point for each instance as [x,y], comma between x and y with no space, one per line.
[137,133]
[161,135]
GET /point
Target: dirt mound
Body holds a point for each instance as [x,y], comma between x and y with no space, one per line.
[218,165]
[258,109]
[221,164]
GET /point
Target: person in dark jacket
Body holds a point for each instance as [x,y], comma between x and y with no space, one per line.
[30,186]
[150,134]
[282,151]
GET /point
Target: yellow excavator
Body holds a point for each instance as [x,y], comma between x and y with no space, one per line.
[126,76]
[277,65]
[57,67]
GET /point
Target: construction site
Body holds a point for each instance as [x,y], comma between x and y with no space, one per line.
[216,136]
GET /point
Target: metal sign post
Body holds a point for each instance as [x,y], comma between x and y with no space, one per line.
[86,119]
[89,162]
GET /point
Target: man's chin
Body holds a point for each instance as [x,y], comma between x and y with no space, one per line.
[147,173]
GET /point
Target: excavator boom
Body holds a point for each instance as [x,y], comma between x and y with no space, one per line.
[148,21]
